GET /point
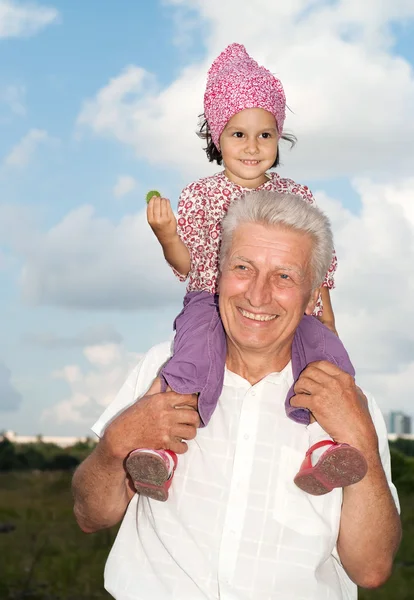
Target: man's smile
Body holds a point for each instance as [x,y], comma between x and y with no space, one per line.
[257,316]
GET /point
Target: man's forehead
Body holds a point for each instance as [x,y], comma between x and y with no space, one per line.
[252,236]
[278,246]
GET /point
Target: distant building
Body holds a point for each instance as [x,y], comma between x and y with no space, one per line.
[62,441]
[399,423]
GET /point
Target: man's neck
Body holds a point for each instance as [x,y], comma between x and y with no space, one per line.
[253,365]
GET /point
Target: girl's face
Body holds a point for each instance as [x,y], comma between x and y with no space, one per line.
[249,146]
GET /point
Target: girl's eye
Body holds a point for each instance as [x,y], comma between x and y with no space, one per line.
[266,135]
[238,134]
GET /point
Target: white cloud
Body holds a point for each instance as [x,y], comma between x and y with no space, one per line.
[22,153]
[24,19]
[393,390]
[14,97]
[352,98]
[17,227]
[124,185]
[111,265]
[92,388]
[10,398]
[131,109]
[187,23]
[92,336]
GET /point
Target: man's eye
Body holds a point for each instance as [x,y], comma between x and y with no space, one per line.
[241,267]
[284,276]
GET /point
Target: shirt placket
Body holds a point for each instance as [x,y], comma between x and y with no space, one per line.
[238,492]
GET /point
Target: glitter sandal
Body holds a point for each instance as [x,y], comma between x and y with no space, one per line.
[152,472]
[339,466]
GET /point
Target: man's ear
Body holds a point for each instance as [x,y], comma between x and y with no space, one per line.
[312,301]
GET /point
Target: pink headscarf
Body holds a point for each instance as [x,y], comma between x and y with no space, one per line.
[234,82]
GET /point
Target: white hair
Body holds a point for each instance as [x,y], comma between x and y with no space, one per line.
[287,211]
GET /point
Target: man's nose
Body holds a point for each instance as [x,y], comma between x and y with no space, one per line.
[259,292]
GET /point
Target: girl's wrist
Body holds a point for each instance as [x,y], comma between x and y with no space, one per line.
[168,240]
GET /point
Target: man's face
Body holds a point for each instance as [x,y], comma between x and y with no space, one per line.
[266,287]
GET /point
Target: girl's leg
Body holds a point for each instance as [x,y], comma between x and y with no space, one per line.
[197,366]
[327,465]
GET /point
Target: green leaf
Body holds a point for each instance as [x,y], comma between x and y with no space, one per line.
[151,194]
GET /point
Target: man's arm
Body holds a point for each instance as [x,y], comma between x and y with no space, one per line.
[101,490]
[101,487]
[370,529]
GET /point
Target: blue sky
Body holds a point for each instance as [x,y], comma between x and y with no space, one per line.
[99,103]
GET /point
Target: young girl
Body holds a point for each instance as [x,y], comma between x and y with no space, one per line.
[244,109]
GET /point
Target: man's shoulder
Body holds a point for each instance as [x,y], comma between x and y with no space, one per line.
[136,384]
[159,352]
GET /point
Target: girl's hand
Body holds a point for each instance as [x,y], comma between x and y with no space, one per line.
[161,219]
[328,317]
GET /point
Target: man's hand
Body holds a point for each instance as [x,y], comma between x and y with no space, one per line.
[157,421]
[101,487]
[161,219]
[337,404]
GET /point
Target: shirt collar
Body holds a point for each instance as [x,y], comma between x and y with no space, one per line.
[285,376]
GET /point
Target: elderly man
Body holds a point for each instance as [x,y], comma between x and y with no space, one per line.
[235,526]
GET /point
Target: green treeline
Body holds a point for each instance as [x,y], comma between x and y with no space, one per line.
[40,456]
[402,464]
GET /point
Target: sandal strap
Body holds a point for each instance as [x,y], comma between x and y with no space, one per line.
[320,445]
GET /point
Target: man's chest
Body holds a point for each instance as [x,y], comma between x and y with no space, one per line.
[235,520]
[235,483]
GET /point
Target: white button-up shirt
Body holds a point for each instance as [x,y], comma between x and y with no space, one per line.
[235,526]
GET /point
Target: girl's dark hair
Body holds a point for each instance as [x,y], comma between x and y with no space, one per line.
[215,155]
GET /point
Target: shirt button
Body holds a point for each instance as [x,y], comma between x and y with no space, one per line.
[253,393]
[246,437]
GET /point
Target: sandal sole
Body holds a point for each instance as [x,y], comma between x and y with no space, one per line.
[339,468]
[147,469]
